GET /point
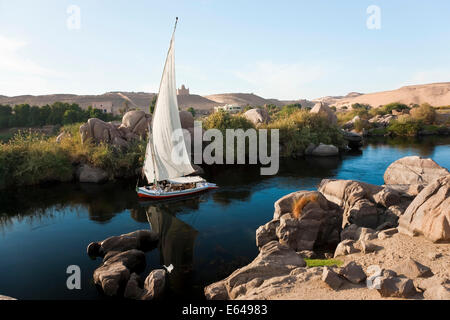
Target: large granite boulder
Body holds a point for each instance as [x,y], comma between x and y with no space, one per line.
[303,220]
[353,139]
[413,170]
[111,277]
[187,120]
[96,130]
[154,285]
[322,108]
[141,240]
[364,205]
[137,121]
[274,260]
[429,213]
[257,116]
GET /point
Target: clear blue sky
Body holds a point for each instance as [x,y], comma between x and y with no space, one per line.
[276,49]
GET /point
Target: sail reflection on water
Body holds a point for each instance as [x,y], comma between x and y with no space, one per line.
[176,244]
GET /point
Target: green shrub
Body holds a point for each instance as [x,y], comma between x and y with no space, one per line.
[424,113]
[405,126]
[360,125]
[223,120]
[344,117]
[394,106]
[303,128]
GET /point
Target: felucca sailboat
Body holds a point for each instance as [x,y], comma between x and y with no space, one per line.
[168,177]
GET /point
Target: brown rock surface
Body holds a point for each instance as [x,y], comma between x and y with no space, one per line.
[429,213]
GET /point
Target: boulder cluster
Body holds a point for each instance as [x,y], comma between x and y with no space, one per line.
[123,260]
[350,216]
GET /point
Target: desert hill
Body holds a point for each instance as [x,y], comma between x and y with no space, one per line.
[141,100]
[436,94]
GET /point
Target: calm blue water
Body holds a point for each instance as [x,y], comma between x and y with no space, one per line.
[43,230]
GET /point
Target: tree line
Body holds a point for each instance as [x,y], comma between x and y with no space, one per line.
[59,113]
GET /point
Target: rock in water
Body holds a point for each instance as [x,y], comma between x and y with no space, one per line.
[322,108]
[93,249]
[429,213]
[154,285]
[325,150]
[111,277]
[353,272]
[331,278]
[133,289]
[88,174]
[132,259]
[413,171]
[274,260]
[141,239]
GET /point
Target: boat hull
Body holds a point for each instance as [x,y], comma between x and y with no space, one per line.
[143,192]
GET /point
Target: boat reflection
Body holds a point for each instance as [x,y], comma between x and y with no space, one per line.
[176,242]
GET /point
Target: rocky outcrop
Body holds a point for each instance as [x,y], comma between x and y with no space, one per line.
[322,108]
[429,213]
[5,298]
[122,256]
[413,170]
[154,285]
[111,277]
[257,116]
[382,121]
[274,260]
[364,204]
[96,130]
[136,121]
[354,140]
[303,220]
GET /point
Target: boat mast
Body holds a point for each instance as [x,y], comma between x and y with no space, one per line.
[152,149]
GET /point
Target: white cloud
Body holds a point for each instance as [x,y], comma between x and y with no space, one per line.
[284,81]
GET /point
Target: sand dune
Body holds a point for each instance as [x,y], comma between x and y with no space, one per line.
[436,94]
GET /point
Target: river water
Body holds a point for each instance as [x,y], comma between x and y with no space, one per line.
[45,229]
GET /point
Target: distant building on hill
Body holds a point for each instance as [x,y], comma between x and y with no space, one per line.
[106,107]
[183,91]
[231,108]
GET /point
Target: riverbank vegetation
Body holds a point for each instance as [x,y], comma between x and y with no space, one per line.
[30,158]
[59,113]
[407,121]
[297,127]
[301,128]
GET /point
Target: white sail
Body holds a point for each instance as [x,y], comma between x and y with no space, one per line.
[166,121]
